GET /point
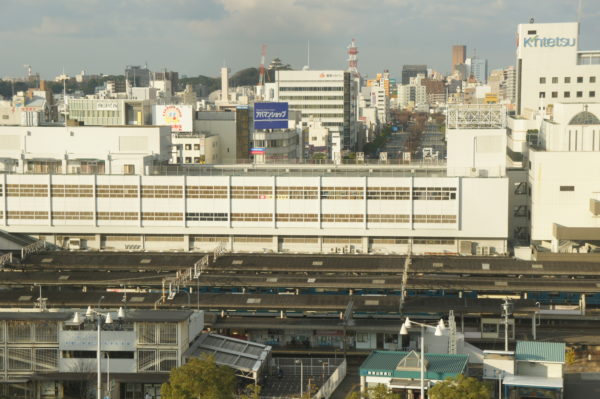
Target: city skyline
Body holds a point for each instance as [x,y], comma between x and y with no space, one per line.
[197,38]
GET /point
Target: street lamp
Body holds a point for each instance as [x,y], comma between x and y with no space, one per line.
[438,333]
[89,313]
[301,377]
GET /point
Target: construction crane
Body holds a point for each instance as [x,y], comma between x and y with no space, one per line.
[261,70]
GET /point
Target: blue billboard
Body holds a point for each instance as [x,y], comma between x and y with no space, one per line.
[270,115]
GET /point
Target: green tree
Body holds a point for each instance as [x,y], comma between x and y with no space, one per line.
[379,391]
[251,391]
[460,387]
[200,377]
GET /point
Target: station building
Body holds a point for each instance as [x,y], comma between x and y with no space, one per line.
[423,207]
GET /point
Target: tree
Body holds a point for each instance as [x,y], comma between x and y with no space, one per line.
[379,391]
[460,387]
[200,377]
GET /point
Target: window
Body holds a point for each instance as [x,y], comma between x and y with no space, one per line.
[178,159]
[532,32]
[567,94]
[555,80]
[188,159]
[128,169]
[567,188]
[592,94]
[592,79]
[197,147]
[579,94]
[579,79]
[567,79]
[554,94]
[188,146]
[542,80]
[542,94]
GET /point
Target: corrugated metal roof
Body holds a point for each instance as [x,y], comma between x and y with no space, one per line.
[534,351]
[439,366]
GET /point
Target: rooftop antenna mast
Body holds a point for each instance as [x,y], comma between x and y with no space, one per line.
[308,54]
[579,10]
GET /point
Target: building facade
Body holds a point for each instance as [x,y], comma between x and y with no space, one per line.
[552,69]
[327,96]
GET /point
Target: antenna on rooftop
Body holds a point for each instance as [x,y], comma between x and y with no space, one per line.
[579,10]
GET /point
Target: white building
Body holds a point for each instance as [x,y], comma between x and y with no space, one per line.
[413,94]
[195,148]
[552,69]
[381,102]
[327,96]
[83,149]
[565,190]
[476,136]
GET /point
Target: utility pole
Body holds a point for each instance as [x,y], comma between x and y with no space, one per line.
[505,312]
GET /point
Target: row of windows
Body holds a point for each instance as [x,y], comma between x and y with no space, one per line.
[27,215]
[434,219]
[296,217]
[27,359]
[316,106]
[162,192]
[117,216]
[26,190]
[383,218]
[164,238]
[388,193]
[251,192]
[342,240]
[342,218]
[567,79]
[434,241]
[206,191]
[252,239]
[318,115]
[287,98]
[29,332]
[251,217]
[172,216]
[299,240]
[72,215]
[116,191]
[567,94]
[434,193]
[296,192]
[205,216]
[389,241]
[336,193]
[314,88]
[123,237]
[72,190]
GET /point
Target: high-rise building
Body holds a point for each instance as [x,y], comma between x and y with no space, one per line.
[478,69]
[459,55]
[411,71]
[327,96]
[138,76]
[551,68]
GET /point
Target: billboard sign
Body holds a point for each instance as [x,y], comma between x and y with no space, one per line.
[179,117]
[270,115]
[257,150]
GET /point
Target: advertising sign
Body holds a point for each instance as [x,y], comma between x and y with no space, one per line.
[270,115]
[107,106]
[257,150]
[179,117]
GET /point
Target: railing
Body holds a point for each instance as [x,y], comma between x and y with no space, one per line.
[32,248]
[6,259]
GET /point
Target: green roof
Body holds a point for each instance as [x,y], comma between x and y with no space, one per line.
[439,366]
[533,351]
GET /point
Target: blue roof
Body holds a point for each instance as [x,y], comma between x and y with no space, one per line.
[534,351]
[439,366]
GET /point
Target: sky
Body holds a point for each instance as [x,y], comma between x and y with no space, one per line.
[198,37]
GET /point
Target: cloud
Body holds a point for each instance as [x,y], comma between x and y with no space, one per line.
[57,26]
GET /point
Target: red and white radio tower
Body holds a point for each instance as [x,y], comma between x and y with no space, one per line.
[261,71]
[353,58]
